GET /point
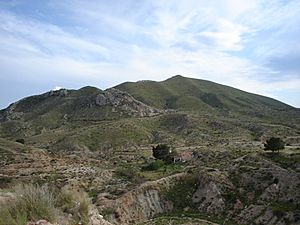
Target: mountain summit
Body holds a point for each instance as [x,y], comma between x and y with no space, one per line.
[188,94]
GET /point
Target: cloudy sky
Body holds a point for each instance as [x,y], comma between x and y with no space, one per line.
[251,45]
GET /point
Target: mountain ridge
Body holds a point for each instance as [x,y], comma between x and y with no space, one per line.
[176,77]
[178,110]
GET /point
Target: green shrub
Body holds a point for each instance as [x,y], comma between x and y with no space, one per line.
[161,151]
[181,193]
[274,144]
[128,173]
[157,164]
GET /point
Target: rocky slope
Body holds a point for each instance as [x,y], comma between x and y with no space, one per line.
[86,103]
[142,203]
[251,191]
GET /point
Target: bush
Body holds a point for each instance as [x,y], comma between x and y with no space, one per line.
[181,193]
[274,144]
[161,151]
[32,202]
[157,164]
[76,203]
[129,174]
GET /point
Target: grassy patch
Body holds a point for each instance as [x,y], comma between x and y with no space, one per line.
[163,171]
[284,206]
[284,160]
[34,202]
[129,173]
[181,193]
[155,165]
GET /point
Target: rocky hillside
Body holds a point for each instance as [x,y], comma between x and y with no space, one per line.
[181,111]
[98,144]
[252,190]
[87,103]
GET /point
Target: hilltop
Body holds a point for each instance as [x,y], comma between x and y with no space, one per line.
[201,96]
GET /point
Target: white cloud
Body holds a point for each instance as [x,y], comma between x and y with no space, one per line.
[151,40]
[228,36]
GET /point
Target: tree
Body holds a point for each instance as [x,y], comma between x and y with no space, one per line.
[164,152]
[161,151]
[274,144]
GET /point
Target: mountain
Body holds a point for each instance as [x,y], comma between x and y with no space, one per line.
[194,95]
[179,110]
[100,142]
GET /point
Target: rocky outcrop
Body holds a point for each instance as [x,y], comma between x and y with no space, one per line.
[97,219]
[271,193]
[270,181]
[116,98]
[94,219]
[209,194]
[72,102]
[17,110]
[141,203]
[10,114]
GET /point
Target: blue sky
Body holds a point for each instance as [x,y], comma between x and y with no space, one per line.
[251,45]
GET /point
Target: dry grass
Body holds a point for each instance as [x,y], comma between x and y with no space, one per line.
[31,202]
[34,202]
[76,203]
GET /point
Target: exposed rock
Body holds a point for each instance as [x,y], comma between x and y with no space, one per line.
[209,192]
[249,214]
[274,189]
[117,98]
[94,219]
[141,203]
[97,219]
[10,114]
[41,222]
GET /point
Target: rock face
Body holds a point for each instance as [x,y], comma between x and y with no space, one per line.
[209,193]
[272,192]
[116,98]
[141,203]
